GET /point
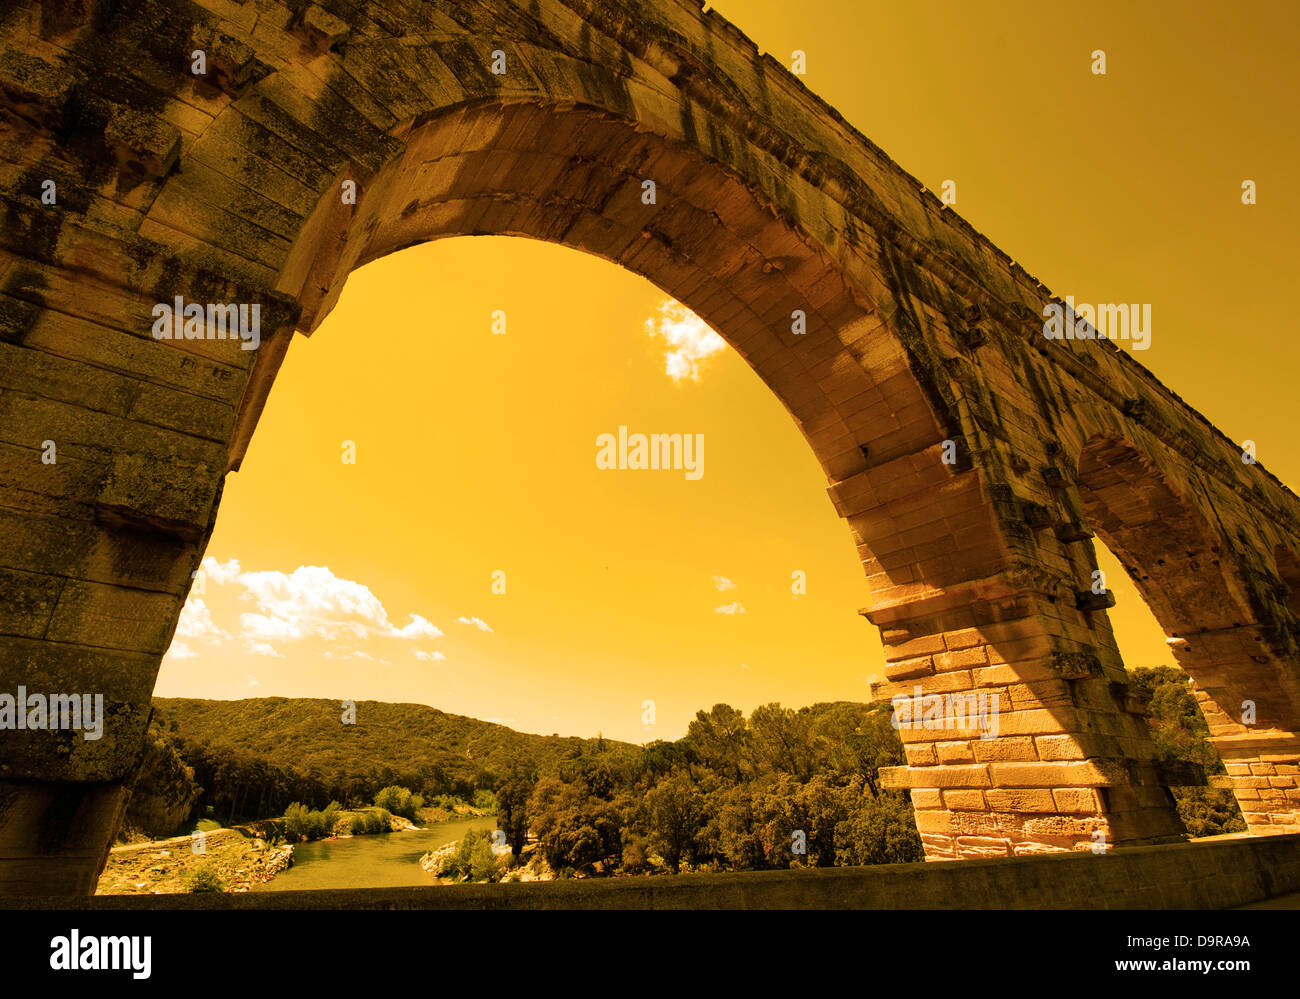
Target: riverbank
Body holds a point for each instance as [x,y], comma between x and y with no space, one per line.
[390,861]
[237,859]
[241,858]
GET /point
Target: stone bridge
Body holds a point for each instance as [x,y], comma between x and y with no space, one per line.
[210,150]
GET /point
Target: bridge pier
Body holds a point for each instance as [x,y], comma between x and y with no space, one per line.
[55,837]
[1051,752]
[1264,776]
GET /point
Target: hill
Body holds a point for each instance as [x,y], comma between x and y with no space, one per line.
[308,735]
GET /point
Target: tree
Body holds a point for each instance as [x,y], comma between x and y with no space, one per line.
[782,740]
[722,740]
[1179,732]
[879,829]
[676,813]
[400,801]
[512,808]
[573,828]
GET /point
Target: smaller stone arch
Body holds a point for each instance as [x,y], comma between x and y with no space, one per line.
[1176,548]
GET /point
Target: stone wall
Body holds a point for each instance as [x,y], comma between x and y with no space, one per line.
[1219,873]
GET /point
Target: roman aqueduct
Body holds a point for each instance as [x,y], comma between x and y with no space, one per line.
[223,179]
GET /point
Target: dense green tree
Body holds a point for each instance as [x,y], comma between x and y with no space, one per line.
[1179,732]
[878,828]
[721,738]
[782,740]
[676,813]
[574,828]
[512,807]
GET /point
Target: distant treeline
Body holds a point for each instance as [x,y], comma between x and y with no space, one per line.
[782,786]
[182,778]
[251,759]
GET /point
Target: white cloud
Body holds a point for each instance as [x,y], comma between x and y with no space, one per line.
[429,657]
[261,649]
[220,572]
[418,628]
[253,681]
[478,623]
[689,339]
[722,584]
[358,654]
[308,603]
[732,608]
[195,627]
[311,600]
[196,622]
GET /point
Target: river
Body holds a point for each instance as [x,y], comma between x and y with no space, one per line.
[382,860]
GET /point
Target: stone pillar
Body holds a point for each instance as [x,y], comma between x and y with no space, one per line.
[1263,770]
[55,837]
[113,447]
[1020,731]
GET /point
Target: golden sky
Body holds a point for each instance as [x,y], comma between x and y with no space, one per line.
[475,452]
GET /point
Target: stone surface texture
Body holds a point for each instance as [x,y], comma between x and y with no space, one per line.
[222,180]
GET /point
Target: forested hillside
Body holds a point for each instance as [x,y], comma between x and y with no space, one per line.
[413,744]
[732,792]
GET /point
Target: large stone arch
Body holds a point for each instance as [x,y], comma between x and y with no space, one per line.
[949,429]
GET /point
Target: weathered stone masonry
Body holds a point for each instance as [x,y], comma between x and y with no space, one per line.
[225,186]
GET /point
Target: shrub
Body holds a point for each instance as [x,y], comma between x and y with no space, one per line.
[473,858]
[400,801]
[301,822]
[369,821]
[205,879]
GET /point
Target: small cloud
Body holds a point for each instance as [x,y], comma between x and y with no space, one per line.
[220,572]
[689,338]
[253,681]
[476,622]
[261,649]
[418,628]
[744,665]
[722,584]
[358,654]
[430,657]
[195,626]
[735,607]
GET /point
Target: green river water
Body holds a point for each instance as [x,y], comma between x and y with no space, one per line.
[384,860]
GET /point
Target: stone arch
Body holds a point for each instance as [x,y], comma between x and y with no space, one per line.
[1189,575]
[225,187]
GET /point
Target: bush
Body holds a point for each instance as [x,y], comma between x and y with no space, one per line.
[301,822]
[205,879]
[473,858]
[400,801]
[369,821]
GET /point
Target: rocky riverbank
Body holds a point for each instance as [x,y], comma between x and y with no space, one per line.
[236,859]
